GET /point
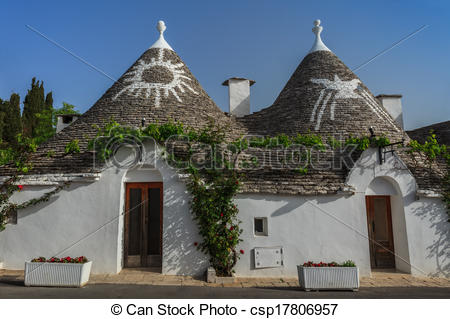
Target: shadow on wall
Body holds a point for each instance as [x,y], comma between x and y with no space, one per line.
[38,191]
[440,248]
[180,255]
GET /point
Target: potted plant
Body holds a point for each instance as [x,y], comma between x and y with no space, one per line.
[59,272]
[330,276]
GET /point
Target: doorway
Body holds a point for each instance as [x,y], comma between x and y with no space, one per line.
[381,239]
[143,225]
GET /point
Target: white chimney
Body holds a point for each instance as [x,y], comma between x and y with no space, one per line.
[64,120]
[239,95]
[393,104]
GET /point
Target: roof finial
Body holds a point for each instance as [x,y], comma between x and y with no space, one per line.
[161,27]
[161,42]
[318,44]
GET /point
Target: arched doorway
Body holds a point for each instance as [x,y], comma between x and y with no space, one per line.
[383,201]
[143,218]
[381,237]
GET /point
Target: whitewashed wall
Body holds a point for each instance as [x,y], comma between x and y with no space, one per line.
[334,228]
[80,220]
[305,231]
[421,230]
[87,219]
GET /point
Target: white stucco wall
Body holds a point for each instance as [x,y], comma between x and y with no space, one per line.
[421,230]
[80,220]
[87,219]
[305,231]
[334,228]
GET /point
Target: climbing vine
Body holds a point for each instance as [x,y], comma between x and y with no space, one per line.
[19,158]
[431,151]
[214,185]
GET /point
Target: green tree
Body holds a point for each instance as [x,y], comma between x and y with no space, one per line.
[45,129]
[33,104]
[2,119]
[12,122]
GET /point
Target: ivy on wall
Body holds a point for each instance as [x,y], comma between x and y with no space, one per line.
[432,151]
[20,158]
[214,186]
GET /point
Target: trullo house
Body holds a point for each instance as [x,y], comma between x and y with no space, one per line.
[375,205]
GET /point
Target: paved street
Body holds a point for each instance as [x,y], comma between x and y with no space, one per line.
[150,283]
[15,289]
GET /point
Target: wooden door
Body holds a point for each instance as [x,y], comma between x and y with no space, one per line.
[381,241]
[143,225]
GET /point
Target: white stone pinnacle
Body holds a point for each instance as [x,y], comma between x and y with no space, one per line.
[161,42]
[318,44]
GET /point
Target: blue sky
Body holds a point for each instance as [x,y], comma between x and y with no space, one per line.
[260,40]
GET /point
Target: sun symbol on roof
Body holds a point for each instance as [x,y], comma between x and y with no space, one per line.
[139,81]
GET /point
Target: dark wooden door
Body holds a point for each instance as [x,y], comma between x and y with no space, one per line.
[381,241]
[143,225]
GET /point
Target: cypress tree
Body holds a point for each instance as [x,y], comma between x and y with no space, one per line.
[44,129]
[33,105]
[12,122]
[2,117]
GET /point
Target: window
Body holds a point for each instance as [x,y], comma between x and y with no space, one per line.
[260,226]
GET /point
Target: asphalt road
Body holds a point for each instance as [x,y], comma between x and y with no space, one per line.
[17,290]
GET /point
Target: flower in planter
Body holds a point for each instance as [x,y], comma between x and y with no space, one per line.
[348,263]
[76,260]
[241,251]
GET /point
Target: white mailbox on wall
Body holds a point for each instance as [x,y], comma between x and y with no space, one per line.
[268,257]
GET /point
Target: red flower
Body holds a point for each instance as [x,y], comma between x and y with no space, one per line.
[237,182]
[20,187]
[195,244]
[221,214]
[231,228]
[241,251]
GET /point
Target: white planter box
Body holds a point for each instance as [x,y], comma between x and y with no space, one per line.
[330,278]
[57,274]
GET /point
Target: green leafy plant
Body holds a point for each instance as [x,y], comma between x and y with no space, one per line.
[365,142]
[19,157]
[348,263]
[431,150]
[72,147]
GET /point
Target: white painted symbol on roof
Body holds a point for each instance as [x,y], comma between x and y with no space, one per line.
[343,90]
[137,85]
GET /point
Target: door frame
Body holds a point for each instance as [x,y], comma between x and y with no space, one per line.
[142,185]
[369,208]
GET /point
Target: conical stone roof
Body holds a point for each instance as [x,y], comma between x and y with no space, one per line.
[324,96]
[158,87]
